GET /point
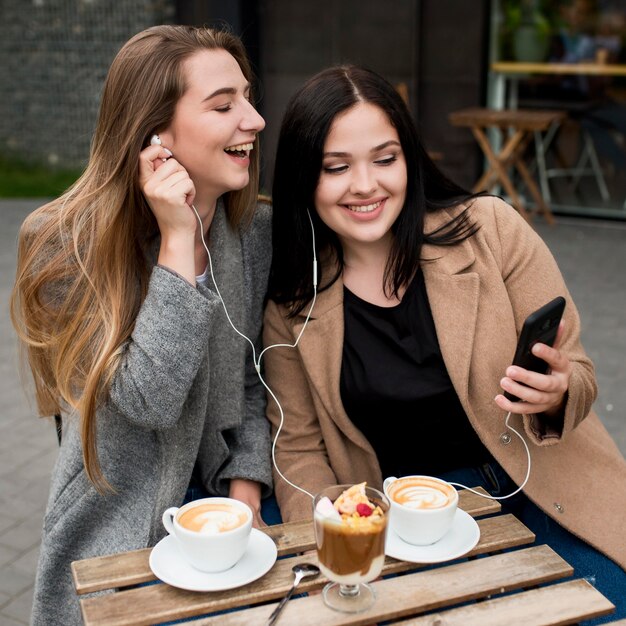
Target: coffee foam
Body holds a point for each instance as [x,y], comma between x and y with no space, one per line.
[212,519]
[421,493]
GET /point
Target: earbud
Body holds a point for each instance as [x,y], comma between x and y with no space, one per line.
[155,140]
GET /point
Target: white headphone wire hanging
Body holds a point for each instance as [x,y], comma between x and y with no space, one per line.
[257,366]
[257,362]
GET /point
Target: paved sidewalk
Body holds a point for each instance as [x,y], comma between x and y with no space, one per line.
[27,449]
[592,256]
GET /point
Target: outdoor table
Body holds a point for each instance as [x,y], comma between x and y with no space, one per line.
[523,569]
[522,124]
[503,72]
[513,70]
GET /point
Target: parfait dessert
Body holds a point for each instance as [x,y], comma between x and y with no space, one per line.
[350,529]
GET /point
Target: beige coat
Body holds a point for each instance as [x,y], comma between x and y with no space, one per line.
[480,292]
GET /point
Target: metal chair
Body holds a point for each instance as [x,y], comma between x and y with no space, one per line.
[587,163]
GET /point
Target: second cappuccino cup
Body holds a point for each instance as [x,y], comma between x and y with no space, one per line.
[422,508]
[212,533]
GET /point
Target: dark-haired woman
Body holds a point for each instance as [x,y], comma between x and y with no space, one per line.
[422,292]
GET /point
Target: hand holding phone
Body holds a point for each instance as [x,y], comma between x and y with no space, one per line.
[539,327]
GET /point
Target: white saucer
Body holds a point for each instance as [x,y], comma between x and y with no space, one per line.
[168,565]
[459,540]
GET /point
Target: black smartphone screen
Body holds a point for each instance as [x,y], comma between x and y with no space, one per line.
[539,327]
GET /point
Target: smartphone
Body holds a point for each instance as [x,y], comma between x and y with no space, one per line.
[539,327]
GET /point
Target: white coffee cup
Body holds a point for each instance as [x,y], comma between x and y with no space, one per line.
[212,533]
[422,508]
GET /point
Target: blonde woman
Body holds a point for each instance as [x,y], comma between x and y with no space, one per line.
[123,328]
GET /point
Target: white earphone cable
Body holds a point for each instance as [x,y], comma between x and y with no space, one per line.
[155,140]
[257,366]
[510,495]
[257,362]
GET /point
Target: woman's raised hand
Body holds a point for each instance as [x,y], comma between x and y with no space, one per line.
[538,393]
[170,193]
[168,190]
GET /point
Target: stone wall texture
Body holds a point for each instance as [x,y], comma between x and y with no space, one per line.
[54,55]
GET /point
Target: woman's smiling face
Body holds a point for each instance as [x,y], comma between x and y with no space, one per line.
[214,123]
[362,185]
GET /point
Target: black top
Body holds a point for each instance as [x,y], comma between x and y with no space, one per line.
[396,389]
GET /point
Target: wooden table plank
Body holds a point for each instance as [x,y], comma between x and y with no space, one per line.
[522,119]
[423,591]
[592,69]
[565,603]
[131,568]
[115,570]
[161,602]
[477,506]
[496,534]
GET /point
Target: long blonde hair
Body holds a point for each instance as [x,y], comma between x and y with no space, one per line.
[83,259]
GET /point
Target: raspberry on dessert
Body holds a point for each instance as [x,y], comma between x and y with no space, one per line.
[364,510]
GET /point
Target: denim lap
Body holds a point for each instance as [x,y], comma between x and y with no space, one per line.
[588,563]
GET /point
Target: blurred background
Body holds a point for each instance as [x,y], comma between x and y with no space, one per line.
[442,55]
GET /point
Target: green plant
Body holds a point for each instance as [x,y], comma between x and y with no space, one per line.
[519,15]
[19,179]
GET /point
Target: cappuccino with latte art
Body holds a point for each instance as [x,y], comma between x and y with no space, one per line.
[422,493]
[422,508]
[211,519]
[212,533]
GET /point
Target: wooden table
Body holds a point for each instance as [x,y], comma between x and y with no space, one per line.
[521,571]
[512,70]
[510,151]
[503,72]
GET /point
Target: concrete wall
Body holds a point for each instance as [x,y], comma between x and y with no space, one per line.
[437,47]
[298,39]
[55,55]
[452,70]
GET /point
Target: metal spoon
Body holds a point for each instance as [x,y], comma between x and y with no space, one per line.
[303,570]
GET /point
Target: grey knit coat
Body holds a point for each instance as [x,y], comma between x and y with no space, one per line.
[185,394]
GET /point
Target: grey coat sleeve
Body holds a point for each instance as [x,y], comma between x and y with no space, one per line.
[160,361]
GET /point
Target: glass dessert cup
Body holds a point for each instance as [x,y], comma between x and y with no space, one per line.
[350,550]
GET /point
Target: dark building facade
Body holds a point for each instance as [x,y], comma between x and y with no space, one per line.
[55,57]
[436,49]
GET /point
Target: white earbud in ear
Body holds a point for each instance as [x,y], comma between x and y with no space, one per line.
[155,140]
